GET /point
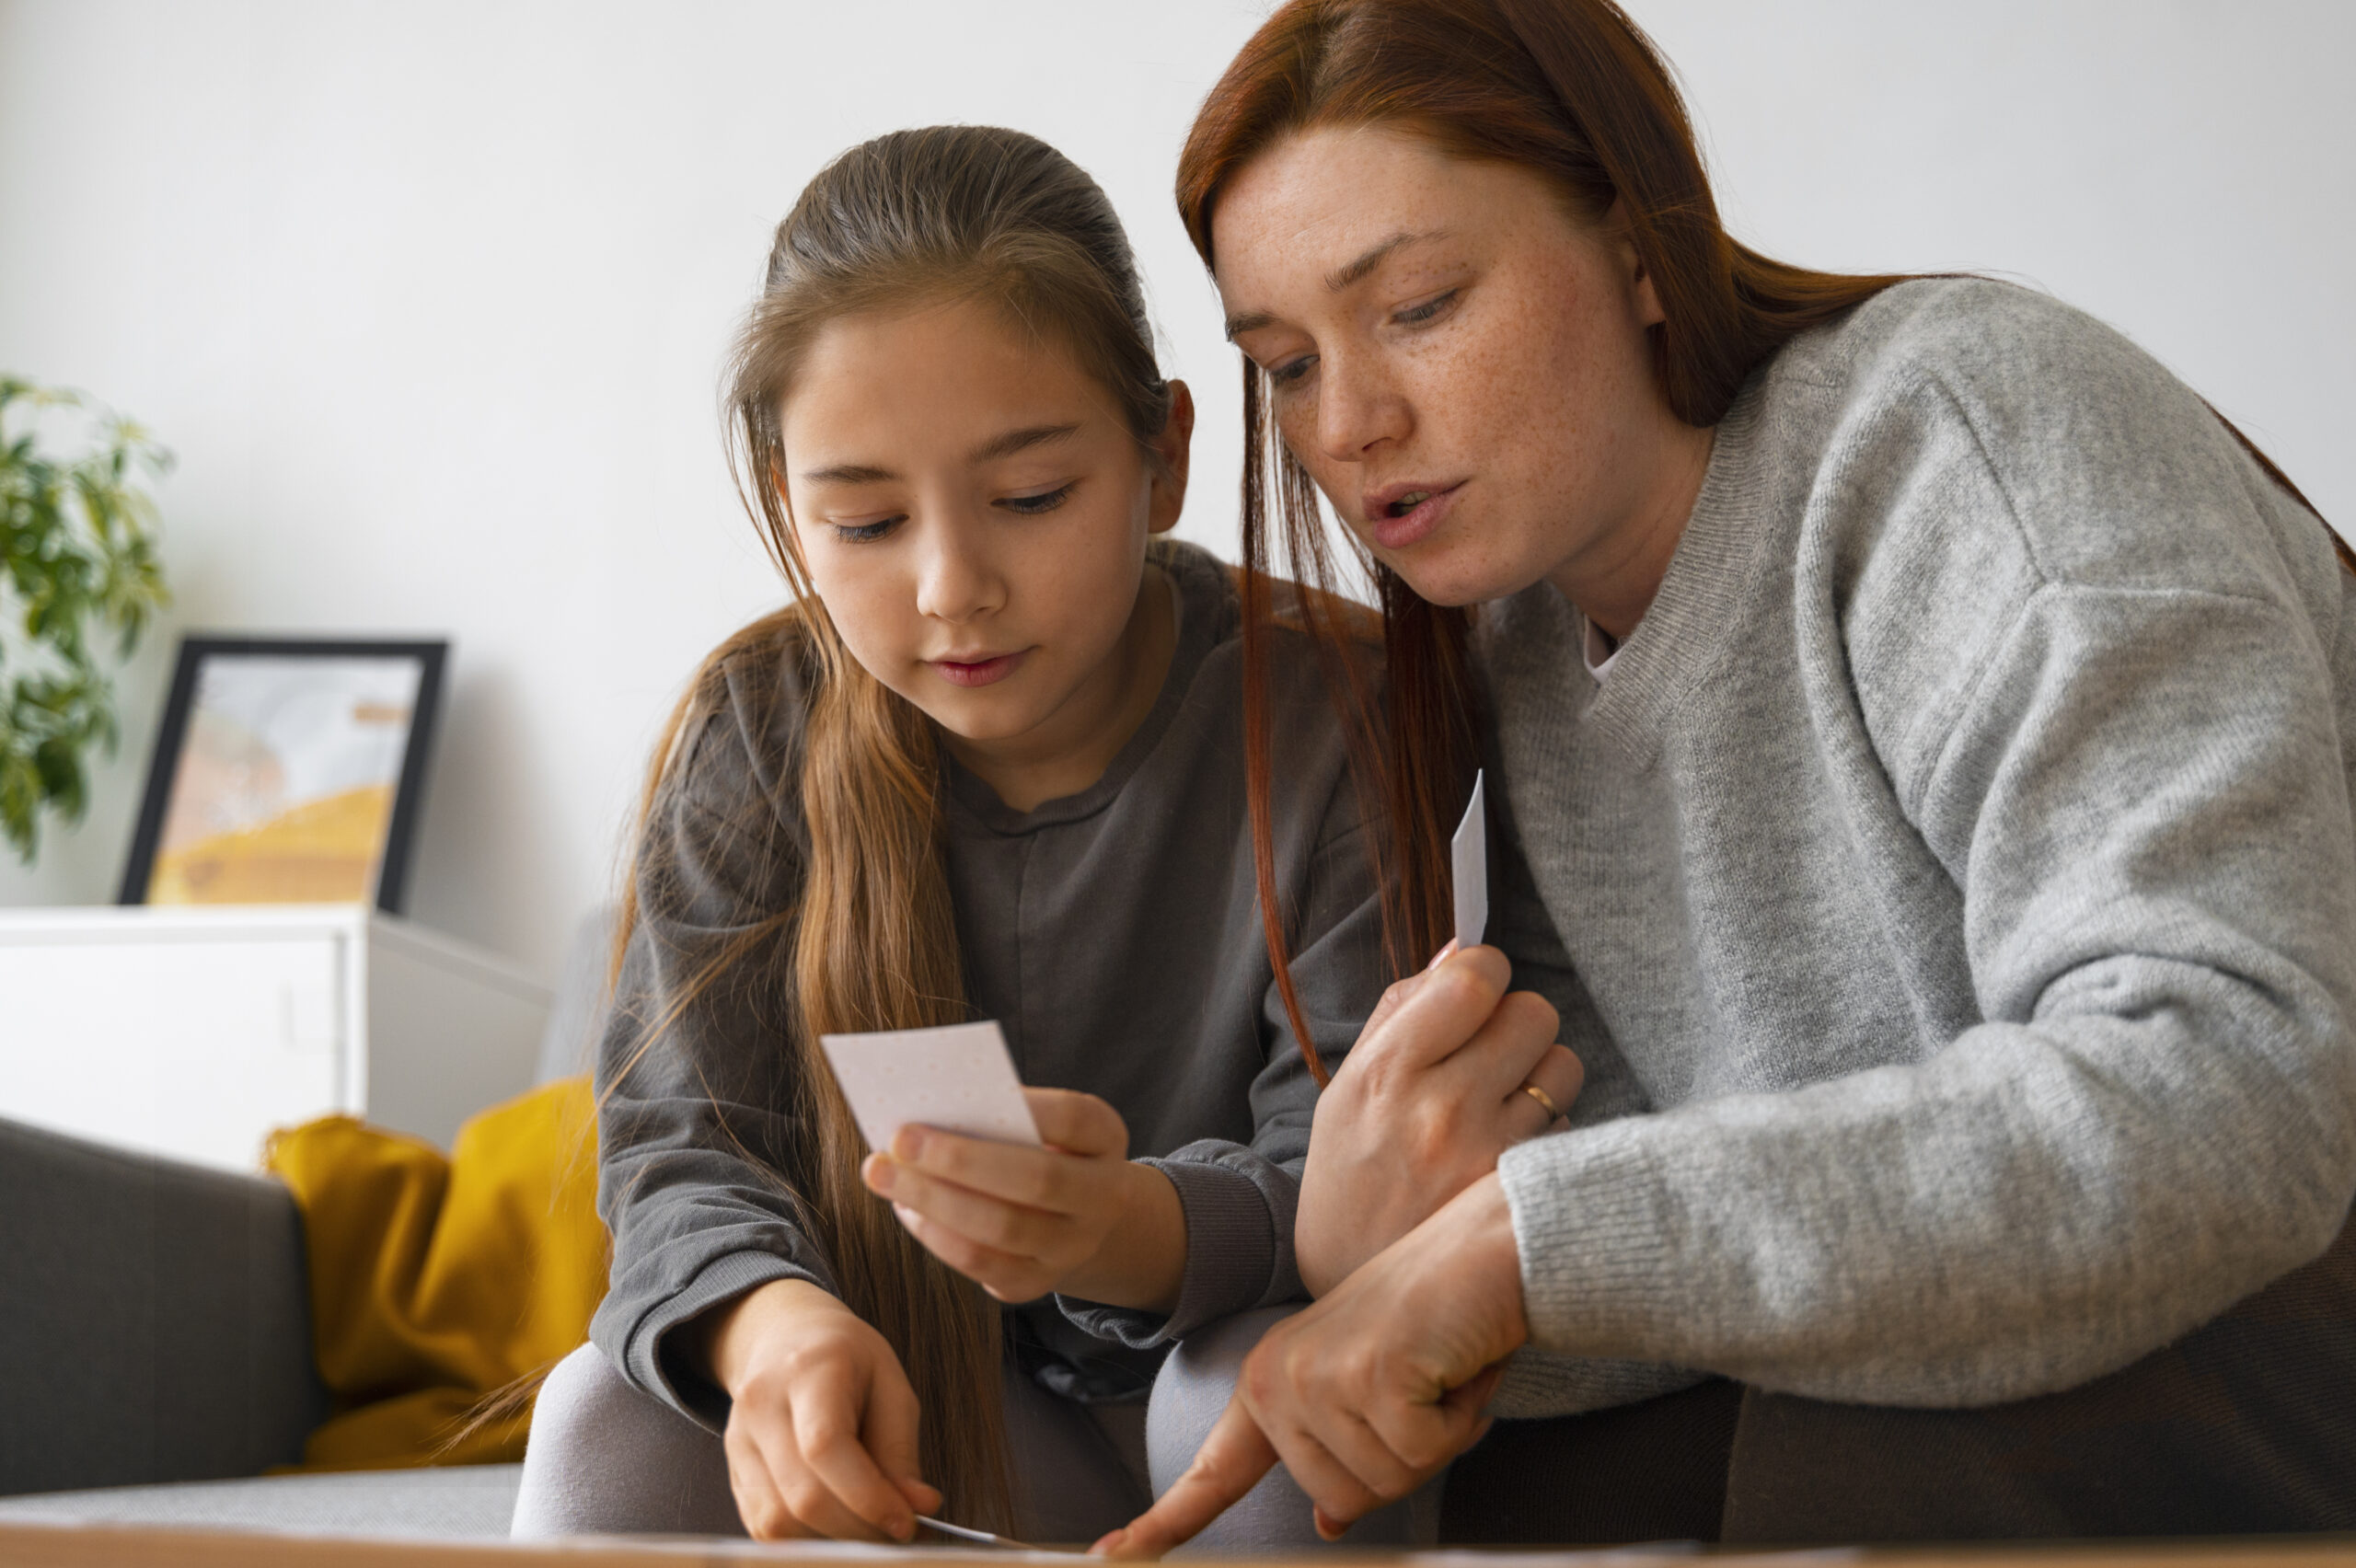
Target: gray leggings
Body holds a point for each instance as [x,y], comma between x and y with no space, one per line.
[1188,1397]
[607,1459]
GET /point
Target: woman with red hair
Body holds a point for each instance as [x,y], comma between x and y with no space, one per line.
[1927,728]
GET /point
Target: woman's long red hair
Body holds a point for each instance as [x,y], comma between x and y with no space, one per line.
[1574,90]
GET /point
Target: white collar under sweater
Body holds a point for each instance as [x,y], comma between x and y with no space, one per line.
[1600,651]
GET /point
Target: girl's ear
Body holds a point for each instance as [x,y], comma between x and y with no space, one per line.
[1173,446]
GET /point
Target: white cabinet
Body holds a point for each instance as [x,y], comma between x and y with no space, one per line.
[194,1031]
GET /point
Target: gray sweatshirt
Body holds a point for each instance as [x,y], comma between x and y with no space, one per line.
[1959,861]
[1116,935]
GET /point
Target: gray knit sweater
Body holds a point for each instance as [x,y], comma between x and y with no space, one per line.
[1958,862]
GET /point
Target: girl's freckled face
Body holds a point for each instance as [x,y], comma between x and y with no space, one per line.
[973,512]
[1462,368]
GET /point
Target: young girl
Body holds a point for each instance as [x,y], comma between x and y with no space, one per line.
[990,764]
[1932,733]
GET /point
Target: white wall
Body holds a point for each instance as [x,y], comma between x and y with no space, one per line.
[429,297]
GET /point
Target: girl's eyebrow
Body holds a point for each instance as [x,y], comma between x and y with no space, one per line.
[1016,441]
[848,474]
[996,446]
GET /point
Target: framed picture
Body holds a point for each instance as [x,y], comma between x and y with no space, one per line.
[287,770]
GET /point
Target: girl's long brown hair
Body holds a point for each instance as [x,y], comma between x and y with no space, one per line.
[1574,90]
[908,220]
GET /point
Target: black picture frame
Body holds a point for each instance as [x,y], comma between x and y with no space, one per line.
[432,655]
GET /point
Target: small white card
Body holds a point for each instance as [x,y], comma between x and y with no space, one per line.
[1471,849]
[958,1078]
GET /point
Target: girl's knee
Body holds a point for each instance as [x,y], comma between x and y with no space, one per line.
[1193,1389]
[604,1459]
[574,1393]
[1193,1385]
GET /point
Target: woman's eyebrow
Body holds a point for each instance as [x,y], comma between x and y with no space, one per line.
[1340,278]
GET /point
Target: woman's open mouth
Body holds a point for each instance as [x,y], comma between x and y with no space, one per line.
[1400,520]
[979,672]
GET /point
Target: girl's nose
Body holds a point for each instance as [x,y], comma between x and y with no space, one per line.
[955,582]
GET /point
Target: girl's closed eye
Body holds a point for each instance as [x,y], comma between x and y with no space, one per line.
[1038,501]
[869,531]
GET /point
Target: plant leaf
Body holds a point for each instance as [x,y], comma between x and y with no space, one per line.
[78,564]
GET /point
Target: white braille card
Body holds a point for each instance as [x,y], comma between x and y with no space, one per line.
[1471,848]
[958,1078]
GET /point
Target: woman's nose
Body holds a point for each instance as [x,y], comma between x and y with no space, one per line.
[1356,408]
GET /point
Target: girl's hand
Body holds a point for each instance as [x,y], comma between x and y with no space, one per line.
[1367,1394]
[1074,1217]
[1422,1106]
[822,1433]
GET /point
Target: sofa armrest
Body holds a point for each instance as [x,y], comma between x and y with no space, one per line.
[154,1319]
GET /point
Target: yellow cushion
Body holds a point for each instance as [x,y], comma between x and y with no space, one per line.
[438,1282]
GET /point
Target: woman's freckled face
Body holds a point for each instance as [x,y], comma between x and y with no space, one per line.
[1439,327]
[973,514]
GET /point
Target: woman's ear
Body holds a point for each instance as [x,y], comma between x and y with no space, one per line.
[1171,446]
[1631,266]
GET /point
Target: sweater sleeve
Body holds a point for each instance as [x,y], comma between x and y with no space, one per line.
[1538,1383]
[1239,1199]
[693,1078]
[2144,804]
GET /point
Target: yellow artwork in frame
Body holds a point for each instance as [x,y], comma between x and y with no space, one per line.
[286,771]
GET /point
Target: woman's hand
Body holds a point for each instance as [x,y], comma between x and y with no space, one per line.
[1422,1105]
[822,1427]
[1367,1394]
[1075,1217]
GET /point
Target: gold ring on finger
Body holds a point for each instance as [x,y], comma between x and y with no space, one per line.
[1543,1098]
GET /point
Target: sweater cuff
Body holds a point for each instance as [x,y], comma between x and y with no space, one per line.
[1540,1387]
[1593,1223]
[1239,1256]
[654,1363]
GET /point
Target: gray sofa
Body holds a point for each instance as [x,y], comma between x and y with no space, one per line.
[156,1339]
[155,1356]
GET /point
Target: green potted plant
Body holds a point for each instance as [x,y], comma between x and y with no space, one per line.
[77,566]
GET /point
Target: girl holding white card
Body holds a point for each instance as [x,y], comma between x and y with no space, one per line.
[992,762]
